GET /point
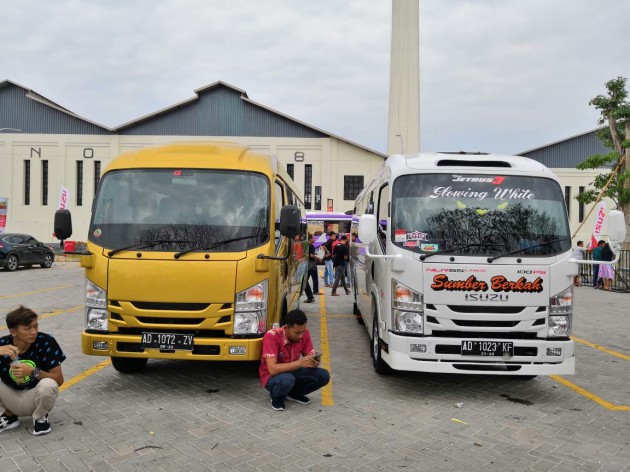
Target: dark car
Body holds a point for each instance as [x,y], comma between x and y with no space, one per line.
[23,250]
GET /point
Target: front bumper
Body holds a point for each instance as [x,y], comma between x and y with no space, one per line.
[205,349]
[534,362]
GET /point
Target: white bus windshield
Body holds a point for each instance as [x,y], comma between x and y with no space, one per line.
[479,215]
[181,210]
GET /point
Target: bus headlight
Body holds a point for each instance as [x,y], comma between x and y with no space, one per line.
[407,309]
[95,307]
[559,326]
[250,310]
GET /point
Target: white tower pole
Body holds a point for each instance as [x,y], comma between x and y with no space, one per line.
[403,133]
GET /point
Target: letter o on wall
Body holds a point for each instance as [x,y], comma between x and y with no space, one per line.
[88,153]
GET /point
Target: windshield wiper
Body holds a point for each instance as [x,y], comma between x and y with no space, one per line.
[143,245]
[516,251]
[454,248]
[220,243]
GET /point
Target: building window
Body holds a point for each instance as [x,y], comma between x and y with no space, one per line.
[352,186]
[581,207]
[308,183]
[44,182]
[290,170]
[567,200]
[97,174]
[318,197]
[79,183]
[27,182]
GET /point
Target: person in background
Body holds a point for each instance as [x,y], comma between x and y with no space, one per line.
[289,368]
[597,256]
[30,370]
[353,238]
[312,271]
[605,270]
[578,254]
[329,271]
[340,257]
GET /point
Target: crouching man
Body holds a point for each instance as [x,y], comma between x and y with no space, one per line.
[289,368]
[30,370]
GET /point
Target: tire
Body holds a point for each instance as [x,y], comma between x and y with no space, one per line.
[380,366]
[11,263]
[129,365]
[48,260]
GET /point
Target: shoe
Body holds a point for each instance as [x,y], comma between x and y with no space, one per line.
[328,285]
[347,292]
[277,404]
[8,422]
[310,300]
[301,399]
[41,425]
[317,293]
[334,294]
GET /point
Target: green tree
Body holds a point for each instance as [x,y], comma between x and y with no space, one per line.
[615,112]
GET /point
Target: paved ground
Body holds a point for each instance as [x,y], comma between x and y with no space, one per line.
[198,416]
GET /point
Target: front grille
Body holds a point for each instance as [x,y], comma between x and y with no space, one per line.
[486,324]
[170,321]
[164,306]
[483,335]
[508,310]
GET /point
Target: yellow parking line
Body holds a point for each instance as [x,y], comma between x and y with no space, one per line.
[589,395]
[52,313]
[49,289]
[327,391]
[603,349]
[85,374]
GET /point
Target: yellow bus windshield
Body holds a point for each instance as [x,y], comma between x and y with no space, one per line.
[181,210]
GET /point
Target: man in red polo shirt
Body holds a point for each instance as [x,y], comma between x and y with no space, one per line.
[289,367]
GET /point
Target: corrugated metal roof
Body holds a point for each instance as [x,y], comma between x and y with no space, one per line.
[217,109]
[220,109]
[569,152]
[23,109]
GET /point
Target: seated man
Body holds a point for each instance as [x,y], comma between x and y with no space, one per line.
[289,365]
[30,370]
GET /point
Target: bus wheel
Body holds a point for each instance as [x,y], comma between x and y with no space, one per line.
[380,366]
[129,365]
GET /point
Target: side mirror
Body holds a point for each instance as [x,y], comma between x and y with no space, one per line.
[290,223]
[367,228]
[616,227]
[63,224]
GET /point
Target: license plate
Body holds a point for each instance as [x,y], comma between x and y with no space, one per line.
[487,348]
[167,341]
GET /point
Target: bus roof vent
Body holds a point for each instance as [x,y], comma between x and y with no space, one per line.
[471,163]
[466,161]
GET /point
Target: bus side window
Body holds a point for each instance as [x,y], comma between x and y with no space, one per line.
[383,213]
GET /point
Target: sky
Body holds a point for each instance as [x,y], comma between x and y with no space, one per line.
[500,76]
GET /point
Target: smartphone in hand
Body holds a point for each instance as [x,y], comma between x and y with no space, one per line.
[317,356]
